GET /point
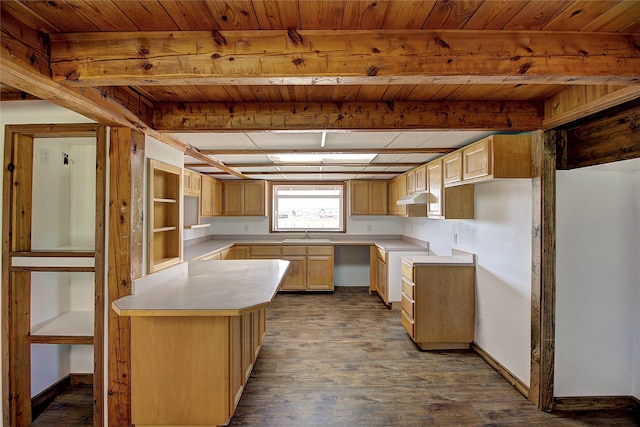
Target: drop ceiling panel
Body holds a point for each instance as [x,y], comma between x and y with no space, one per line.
[359,139]
[276,140]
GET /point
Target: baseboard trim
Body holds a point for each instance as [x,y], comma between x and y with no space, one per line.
[522,388]
[596,403]
[40,401]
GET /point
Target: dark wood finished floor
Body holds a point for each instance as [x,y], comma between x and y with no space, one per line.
[343,359]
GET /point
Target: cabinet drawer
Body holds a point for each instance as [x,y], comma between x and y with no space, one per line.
[407,270]
[381,254]
[319,250]
[408,325]
[266,251]
[407,306]
[407,288]
[294,250]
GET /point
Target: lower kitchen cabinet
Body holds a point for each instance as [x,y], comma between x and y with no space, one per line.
[192,395]
[311,267]
[438,305]
[386,281]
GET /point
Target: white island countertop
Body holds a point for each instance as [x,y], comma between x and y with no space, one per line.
[207,288]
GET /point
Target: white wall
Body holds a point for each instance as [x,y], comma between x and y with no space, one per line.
[500,235]
[598,281]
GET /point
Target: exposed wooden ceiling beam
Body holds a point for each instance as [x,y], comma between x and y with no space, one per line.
[441,115]
[292,164]
[349,57]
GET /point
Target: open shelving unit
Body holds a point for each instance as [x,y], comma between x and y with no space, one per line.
[165,234]
[54,274]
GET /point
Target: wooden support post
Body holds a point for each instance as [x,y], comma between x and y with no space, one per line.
[126,177]
[543,253]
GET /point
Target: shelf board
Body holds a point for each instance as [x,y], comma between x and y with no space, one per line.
[161,229]
[189,227]
[159,200]
[72,327]
[161,263]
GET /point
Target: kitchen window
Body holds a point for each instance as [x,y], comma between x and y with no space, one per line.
[308,207]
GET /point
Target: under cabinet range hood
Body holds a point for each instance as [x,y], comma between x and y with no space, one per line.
[417,198]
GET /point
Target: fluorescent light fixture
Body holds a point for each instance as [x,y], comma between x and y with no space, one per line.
[322,157]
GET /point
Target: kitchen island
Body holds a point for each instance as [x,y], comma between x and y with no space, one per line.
[196,331]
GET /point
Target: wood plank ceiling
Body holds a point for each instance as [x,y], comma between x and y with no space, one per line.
[245,79]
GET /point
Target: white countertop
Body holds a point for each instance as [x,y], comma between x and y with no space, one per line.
[457,257]
[193,251]
[207,288]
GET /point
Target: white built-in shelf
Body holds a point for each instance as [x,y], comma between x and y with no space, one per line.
[72,327]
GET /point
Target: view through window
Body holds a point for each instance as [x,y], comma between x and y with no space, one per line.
[308,207]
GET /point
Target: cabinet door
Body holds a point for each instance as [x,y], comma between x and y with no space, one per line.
[239,252]
[206,202]
[452,167]
[378,197]
[411,181]
[217,197]
[320,272]
[186,181]
[232,194]
[296,275]
[421,178]
[235,359]
[254,198]
[360,197]
[381,279]
[476,159]
[434,180]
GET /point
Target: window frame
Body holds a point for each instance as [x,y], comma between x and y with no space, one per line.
[272,206]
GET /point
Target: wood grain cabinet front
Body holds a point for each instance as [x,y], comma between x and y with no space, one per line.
[311,267]
[207,387]
[244,198]
[368,197]
[438,305]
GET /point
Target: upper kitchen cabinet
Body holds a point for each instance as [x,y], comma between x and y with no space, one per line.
[451,203]
[164,236]
[397,189]
[211,196]
[244,198]
[421,178]
[191,182]
[452,168]
[368,197]
[496,156]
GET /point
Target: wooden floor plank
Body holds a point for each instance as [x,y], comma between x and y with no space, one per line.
[343,359]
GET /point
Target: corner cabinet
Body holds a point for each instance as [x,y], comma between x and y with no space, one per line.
[244,198]
[164,247]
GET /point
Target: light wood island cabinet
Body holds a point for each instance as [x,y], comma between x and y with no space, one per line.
[438,301]
[177,376]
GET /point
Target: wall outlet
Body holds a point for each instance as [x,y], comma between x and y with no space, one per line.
[369,227]
[246,227]
[455,238]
